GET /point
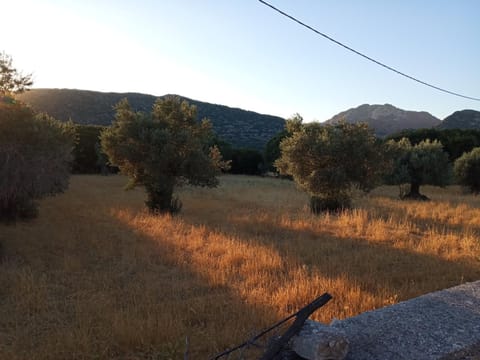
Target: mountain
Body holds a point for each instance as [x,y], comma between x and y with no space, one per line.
[386,119]
[240,128]
[464,119]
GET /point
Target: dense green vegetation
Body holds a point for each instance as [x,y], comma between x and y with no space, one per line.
[455,141]
[87,155]
[272,150]
[246,161]
[34,159]
[35,149]
[467,170]
[240,128]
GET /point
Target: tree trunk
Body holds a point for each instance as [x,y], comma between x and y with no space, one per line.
[414,193]
[332,203]
[160,198]
[414,189]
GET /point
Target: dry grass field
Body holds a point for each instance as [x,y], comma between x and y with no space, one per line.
[95,276]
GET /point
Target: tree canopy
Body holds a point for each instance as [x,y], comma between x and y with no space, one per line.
[246,161]
[85,152]
[35,151]
[162,150]
[467,170]
[12,81]
[328,161]
[422,164]
[455,141]
[272,148]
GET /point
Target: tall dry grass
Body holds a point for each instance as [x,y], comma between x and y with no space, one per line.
[96,277]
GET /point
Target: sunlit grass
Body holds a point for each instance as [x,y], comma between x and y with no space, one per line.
[95,276]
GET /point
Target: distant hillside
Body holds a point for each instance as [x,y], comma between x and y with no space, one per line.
[464,119]
[387,119]
[239,127]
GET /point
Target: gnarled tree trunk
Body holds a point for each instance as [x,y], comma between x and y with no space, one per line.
[414,193]
[160,198]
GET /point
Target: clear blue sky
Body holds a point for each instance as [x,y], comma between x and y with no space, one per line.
[243,54]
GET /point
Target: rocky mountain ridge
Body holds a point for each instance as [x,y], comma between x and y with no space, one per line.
[464,119]
[387,119]
[241,128]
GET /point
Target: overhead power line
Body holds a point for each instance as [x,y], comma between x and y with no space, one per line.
[365,56]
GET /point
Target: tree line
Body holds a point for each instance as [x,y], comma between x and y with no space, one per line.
[88,157]
[167,148]
[330,161]
[35,149]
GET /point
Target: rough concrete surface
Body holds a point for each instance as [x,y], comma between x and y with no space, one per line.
[438,325]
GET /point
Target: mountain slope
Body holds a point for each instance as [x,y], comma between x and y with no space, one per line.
[464,119]
[386,119]
[239,127]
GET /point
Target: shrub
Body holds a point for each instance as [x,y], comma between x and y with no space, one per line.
[467,170]
[246,161]
[85,154]
[35,151]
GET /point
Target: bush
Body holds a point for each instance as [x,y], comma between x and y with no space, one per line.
[467,170]
[272,150]
[35,151]
[246,161]
[455,141]
[88,157]
[85,154]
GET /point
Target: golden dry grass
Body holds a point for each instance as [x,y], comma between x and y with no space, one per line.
[96,277]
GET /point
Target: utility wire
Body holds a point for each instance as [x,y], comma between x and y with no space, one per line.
[365,56]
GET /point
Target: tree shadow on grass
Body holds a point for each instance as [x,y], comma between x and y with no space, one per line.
[373,265]
[213,316]
[111,292]
[378,269]
[384,210]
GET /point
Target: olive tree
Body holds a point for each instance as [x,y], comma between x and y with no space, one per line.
[12,81]
[35,151]
[467,170]
[272,148]
[329,161]
[162,150]
[422,164]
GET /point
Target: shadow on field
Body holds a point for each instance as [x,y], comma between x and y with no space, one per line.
[79,282]
[425,222]
[185,303]
[124,289]
[375,267]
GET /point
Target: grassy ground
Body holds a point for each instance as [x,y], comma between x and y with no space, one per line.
[95,276]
